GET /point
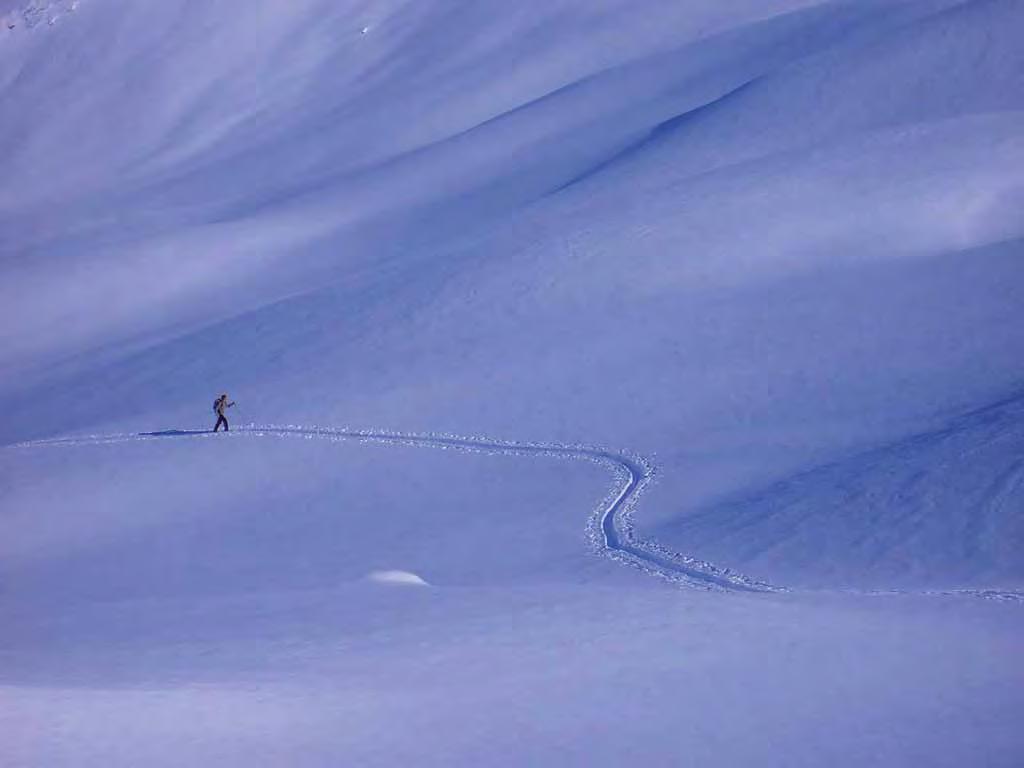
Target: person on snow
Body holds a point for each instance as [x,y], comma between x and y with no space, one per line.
[219,405]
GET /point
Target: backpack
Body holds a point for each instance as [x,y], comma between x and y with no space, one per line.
[215,404]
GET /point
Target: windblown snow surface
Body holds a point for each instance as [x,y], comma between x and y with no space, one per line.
[768,253]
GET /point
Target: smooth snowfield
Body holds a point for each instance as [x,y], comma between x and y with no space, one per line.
[774,247]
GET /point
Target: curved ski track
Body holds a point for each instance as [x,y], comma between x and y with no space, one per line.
[610,528]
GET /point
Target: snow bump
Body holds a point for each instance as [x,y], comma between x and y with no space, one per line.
[397,578]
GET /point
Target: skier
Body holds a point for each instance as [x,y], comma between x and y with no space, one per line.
[218,407]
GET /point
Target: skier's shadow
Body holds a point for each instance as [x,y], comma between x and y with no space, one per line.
[176,433]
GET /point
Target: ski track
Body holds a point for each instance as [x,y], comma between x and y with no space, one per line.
[610,528]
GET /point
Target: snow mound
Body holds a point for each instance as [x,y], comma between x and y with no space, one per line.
[398,578]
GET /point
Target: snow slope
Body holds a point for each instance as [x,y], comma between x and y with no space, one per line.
[775,247]
[243,621]
[938,508]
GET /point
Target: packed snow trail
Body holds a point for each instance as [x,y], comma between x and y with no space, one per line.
[610,528]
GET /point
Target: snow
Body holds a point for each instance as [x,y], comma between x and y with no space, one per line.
[400,578]
[941,508]
[727,292]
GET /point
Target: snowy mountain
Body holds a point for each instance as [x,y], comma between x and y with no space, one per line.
[728,292]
